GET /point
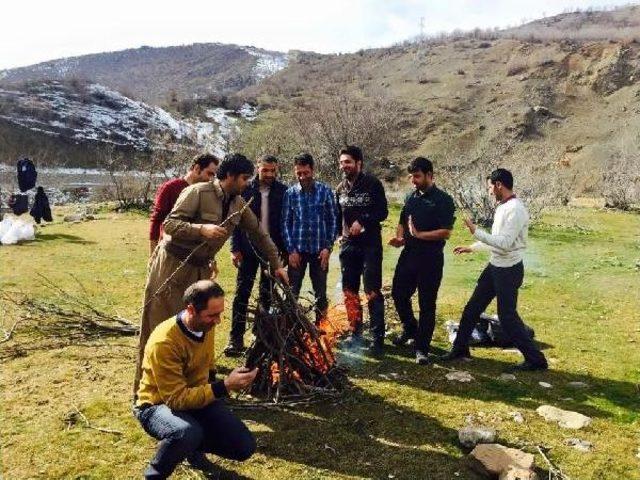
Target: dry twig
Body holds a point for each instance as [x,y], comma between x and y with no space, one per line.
[73,415]
[555,473]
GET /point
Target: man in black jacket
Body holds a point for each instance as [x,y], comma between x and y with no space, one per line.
[267,193]
[362,206]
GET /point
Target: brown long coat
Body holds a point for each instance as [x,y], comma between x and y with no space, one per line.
[198,204]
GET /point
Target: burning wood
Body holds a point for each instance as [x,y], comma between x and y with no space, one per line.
[296,358]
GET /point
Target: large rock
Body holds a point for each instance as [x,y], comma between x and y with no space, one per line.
[471,436]
[564,418]
[494,460]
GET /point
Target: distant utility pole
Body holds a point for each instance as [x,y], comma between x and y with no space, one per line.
[421,28]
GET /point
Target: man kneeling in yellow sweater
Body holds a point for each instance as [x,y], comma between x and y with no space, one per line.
[179,402]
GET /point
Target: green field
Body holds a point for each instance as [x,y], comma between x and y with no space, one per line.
[396,420]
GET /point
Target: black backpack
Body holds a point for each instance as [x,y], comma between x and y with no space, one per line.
[497,336]
[27,175]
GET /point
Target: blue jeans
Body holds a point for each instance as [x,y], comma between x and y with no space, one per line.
[212,429]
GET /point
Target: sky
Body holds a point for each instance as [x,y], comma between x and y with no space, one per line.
[37,31]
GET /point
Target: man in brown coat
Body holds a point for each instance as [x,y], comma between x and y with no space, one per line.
[194,233]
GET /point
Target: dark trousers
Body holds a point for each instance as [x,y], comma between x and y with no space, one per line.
[212,429]
[363,261]
[501,283]
[421,271]
[318,281]
[244,285]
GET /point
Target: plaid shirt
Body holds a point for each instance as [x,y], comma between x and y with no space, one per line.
[309,218]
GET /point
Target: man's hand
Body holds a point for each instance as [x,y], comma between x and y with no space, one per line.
[413,231]
[240,378]
[211,231]
[282,274]
[396,242]
[236,258]
[355,229]
[470,225]
[324,255]
[461,250]
[294,260]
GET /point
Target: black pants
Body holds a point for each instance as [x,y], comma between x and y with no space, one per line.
[211,429]
[501,283]
[244,285]
[318,280]
[363,261]
[422,271]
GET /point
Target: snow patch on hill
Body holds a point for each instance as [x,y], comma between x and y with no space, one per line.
[94,113]
[267,63]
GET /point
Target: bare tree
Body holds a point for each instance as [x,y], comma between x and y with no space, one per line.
[324,126]
[540,184]
[621,176]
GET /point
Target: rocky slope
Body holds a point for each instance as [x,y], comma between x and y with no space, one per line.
[157,75]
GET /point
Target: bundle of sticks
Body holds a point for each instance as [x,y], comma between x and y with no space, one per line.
[294,356]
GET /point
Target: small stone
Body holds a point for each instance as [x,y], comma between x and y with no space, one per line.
[545,385]
[493,459]
[459,376]
[564,418]
[517,417]
[582,445]
[577,385]
[76,217]
[507,377]
[518,474]
[471,436]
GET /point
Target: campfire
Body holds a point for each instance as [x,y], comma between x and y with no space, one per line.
[296,358]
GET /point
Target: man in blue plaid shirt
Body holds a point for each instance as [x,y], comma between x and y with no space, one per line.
[309,229]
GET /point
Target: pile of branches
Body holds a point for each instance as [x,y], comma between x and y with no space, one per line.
[62,317]
[295,360]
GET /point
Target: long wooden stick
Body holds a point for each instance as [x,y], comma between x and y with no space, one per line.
[186,260]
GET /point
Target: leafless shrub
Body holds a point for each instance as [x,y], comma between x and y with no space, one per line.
[516,69]
[621,177]
[133,178]
[324,126]
[539,184]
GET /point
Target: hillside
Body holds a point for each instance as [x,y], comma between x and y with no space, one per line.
[68,122]
[559,96]
[158,75]
[591,24]
[570,105]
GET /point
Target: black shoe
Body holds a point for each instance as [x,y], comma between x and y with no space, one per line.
[376,349]
[456,356]
[234,350]
[199,461]
[528,367]
[422,358]
[404,339]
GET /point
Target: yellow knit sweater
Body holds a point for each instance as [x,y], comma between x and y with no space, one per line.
[176,366]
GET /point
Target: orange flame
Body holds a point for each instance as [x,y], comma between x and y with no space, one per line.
[319,355]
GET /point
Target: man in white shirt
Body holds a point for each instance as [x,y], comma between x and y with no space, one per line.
[502,277]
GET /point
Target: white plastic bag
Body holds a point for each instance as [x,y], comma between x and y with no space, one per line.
[5,226]
[18,231]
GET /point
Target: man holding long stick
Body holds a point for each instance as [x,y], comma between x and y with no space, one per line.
[203,218]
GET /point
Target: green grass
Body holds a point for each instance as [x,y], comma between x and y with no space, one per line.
[580,295]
